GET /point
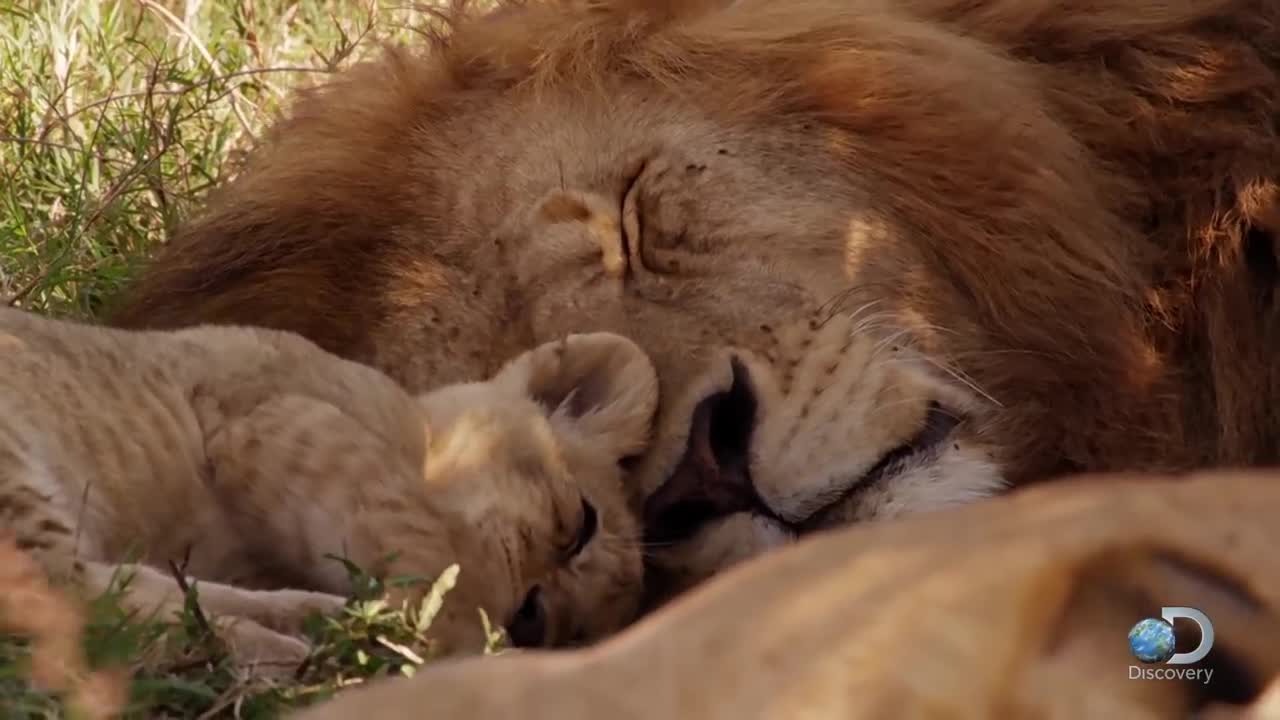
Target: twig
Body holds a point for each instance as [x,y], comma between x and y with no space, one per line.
[177,24]
[180,577]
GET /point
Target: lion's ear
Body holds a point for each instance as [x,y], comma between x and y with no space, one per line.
[601,384]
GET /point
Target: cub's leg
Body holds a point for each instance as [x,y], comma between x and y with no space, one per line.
[300,476]
[256,624]
[307,481]
[32,512]
[259,626]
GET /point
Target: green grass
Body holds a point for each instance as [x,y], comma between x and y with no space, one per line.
[116,116]
[196,678]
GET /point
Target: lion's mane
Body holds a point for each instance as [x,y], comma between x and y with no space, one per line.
[1151,126]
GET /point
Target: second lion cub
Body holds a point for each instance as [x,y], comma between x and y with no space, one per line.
[253,454]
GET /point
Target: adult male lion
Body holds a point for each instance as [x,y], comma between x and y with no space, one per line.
[888,255]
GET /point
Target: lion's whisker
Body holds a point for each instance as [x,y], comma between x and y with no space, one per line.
[961,378]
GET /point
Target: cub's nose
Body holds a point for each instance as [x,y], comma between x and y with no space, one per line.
[713,477]
[528,627]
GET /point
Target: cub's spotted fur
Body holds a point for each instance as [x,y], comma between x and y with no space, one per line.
[252,454]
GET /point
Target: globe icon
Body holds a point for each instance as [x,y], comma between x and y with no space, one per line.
[1151,640]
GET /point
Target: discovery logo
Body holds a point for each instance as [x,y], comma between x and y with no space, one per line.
[1152,641]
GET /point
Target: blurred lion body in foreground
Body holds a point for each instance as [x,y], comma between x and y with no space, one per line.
[1013,608]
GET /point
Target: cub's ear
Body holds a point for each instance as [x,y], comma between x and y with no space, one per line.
[600,383]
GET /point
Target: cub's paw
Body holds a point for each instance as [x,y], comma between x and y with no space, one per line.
[261,650]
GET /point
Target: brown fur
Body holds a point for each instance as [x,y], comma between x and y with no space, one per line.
[1017,608]
[252,455]
[1067,212]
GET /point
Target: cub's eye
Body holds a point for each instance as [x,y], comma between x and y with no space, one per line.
[586,530]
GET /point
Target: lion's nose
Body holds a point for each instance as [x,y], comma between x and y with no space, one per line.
[713,478]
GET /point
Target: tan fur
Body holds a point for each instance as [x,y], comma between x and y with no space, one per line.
[1015,609]
[252,454]
[1058,218]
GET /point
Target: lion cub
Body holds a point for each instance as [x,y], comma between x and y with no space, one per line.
[252,454]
